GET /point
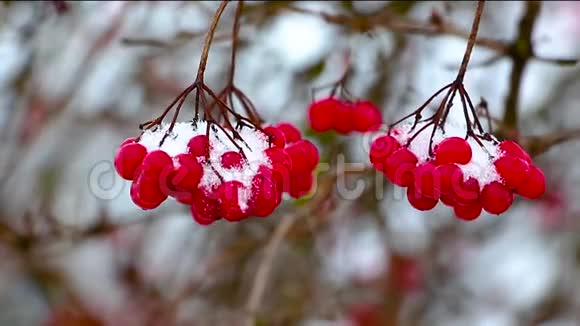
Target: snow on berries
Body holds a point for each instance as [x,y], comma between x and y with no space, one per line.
[469,174]
[216,173]
[344,117]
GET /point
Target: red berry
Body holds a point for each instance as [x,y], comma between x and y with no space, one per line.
[448,199]
[344,122]
[230,196]
[232,160]
[381,149]
[453,150]
[467,192]
[399,167]
[128,158]
[534,186]
[513,170]
[198,146]
[468,212]
[450,177]
[419,201]
[183,197]
[300,183]
[130,140]
[281,167]
[322,114]
[186,173]
[304,155]
[276,136]
[510,147]
[204,208]
[155,163]
[426,179]
[496,198]
[265,194]
[145,191]
[277,155]
[367,117]
[291,133]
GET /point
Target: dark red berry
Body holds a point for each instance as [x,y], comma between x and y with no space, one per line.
[448,199]
[513,170]
[467,192]
[128,141]
[155,163]
[426,180]
[468,212]
[509,147]
[322,114]
[419,201]
[304,155]
[453,150]
[535,184]
[265,194]
[399,167]
[128,158]
[381,149]
[300,183]
[367,117]
[230,196]
[232,160]
[291,133]
[204,208]
[146,192]
[276,137]
[496,198]
[344,122]
[450,176]
[187,172]
[198,146]
[277,155]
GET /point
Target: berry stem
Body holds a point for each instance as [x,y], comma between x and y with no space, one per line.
[208,39]
[470,42]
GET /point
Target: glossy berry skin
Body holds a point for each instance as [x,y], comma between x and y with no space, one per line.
[509,147]
[453,150]
[467,192]
[534,186]
[155,163]
[367,117]
[281,167]
[399,167]
[513,170]
[187,172]
[426,179]
[229,195]
[345,119]
[448,199]
[322,114]
[232,160]
[419,201]
[300,183]
[205,209]
[450,178]
[496,198]
[381,149]
[146,191]
[468,212]
[198,146]
[277,155]
[304,156]
[276,137]
[128,158]
[291,133]
[265,194]
[129,140]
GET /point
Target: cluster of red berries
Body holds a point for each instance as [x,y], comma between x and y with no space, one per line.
[442,178]
[344,117]
[287,166]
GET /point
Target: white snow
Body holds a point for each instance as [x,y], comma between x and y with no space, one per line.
[481,165]
[253,146]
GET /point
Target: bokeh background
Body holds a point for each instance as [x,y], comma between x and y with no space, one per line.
[77,78]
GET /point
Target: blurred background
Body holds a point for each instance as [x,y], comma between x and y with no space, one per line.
[77,78]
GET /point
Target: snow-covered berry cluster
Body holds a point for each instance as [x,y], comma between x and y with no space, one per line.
[217,172]
[468,175]
[344,117]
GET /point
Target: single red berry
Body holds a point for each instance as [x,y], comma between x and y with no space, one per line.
[468,212]
[510,147]
[265,194]
[453,150]
[367,117]
[304,155]
[513,170]
[381,149]
[187,172]
[427,180]
[128,158]
[399,167]
[129,140]
[447,199]
[146,193]
[419,201]
[322,114]
[198,146]
[276,136]
[232,160]
[155,163]
[467,192]
[450,178]
[300,183]
[204,208]
[279,156]
[291,133]
[496,198]
[344,122]
[230,193]
[534,186]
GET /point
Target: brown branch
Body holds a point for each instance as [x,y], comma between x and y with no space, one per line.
[208,39]
[471,41]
